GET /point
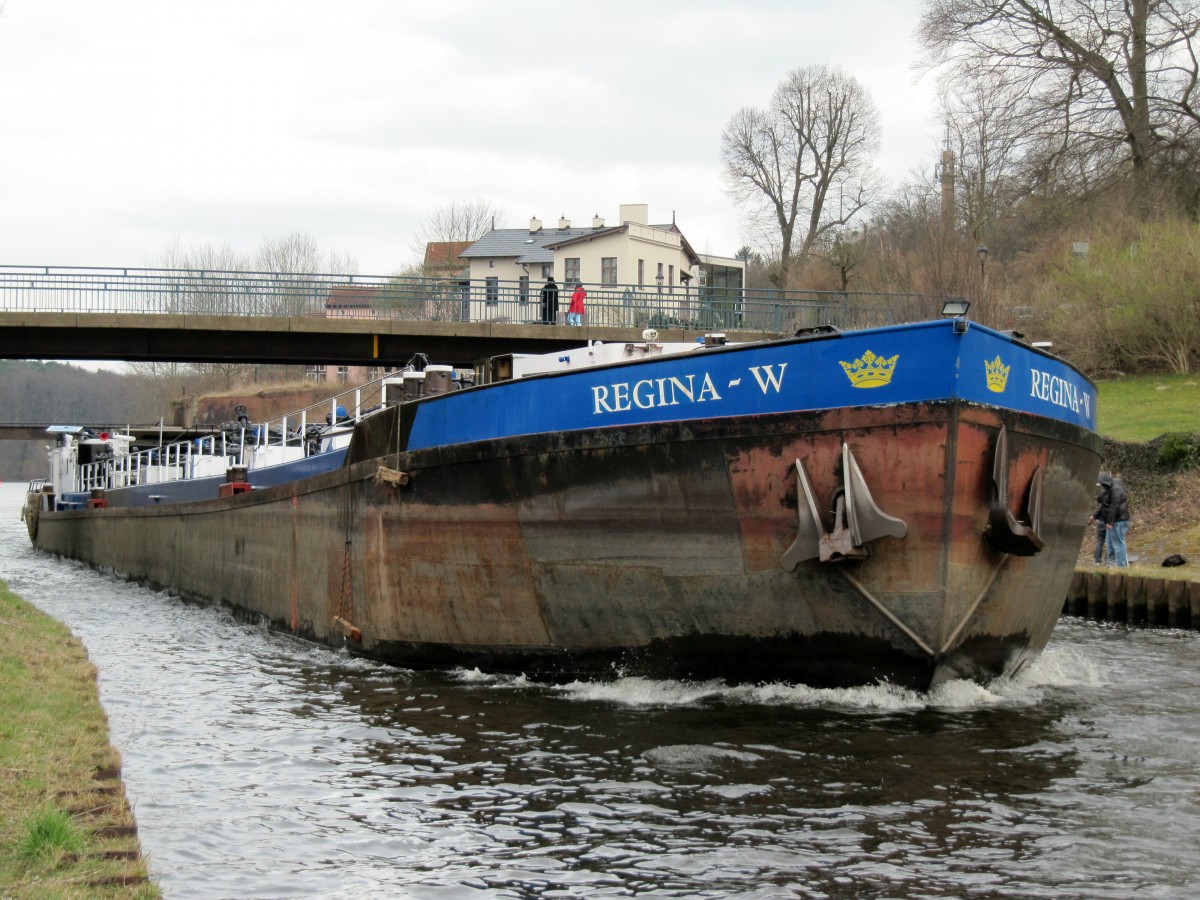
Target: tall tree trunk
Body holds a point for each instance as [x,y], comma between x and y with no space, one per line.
[1140,138]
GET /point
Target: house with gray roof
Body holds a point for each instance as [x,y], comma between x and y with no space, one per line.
[609,260]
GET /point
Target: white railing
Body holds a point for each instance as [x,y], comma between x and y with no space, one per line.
[275,441]
[195,458]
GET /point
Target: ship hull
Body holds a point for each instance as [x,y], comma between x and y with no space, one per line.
[658,549]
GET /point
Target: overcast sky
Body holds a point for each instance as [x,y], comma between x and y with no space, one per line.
[128,125]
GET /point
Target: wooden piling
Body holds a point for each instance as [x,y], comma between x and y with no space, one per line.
[1178,613]
[1135,601]
[1095,595]
[1156,603]
[1077,594]
[1117,597]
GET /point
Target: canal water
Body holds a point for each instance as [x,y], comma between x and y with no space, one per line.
[261,767]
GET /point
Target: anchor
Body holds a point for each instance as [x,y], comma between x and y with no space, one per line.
[856,519]
[1004,531]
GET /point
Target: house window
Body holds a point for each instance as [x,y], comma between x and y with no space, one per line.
[547,269]
[571,269]
[641,273]
[670,276]
[608,270]
[493,291]
[523,288]
[659,277]
[342,373]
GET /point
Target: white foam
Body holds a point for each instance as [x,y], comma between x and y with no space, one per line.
[696,756]
[1058,667]
[635,691]
[1064,665]
[477,676]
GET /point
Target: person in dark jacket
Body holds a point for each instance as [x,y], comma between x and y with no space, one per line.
[1101,530]
[1113,511]
[550,302]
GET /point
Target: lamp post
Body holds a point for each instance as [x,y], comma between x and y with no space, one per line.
[981,253]
[659,280]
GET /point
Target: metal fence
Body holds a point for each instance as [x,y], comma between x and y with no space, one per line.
[68,289]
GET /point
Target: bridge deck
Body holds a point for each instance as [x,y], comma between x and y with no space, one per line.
[292,340]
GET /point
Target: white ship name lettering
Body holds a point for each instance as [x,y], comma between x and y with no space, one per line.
[770,378]
[1060,392]
[652,392]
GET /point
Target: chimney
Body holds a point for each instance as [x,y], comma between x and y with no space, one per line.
[563,223]
[948,188]
[597,222]
[535,225]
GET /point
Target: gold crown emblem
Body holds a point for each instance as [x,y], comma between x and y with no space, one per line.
[870,371]
[997,374]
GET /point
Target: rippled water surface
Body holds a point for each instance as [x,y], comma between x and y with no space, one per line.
[260,767]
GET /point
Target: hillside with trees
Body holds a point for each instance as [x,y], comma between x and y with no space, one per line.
[1066,200]
[49,392]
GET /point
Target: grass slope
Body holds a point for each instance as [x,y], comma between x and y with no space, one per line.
[65,826]
[1140,409]
[1165,503]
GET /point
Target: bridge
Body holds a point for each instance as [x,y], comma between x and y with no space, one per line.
[176,315]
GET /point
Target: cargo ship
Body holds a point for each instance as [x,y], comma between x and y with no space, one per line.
[899,504]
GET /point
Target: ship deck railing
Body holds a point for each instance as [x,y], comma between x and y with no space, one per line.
[281,439]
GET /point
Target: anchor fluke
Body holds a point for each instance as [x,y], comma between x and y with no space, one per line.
[809,532]
[857,520]
[867,521]
[1004,531]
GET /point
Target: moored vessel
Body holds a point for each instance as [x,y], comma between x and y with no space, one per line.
[840,507]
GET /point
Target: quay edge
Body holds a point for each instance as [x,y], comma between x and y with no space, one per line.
[1127,598]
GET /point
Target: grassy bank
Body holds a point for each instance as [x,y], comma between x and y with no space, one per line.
[66,829]
[1142,408]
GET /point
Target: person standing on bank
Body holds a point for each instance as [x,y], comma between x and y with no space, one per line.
[1114,513]
[576,310]
[550,302]
[1101,530]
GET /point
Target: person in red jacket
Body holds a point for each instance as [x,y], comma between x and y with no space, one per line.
[576,310]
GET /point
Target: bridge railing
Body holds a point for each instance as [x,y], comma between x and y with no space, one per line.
[67,289]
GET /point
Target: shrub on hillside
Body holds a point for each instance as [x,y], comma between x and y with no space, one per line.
[1179,451]
[1132,303]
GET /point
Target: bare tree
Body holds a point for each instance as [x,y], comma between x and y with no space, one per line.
[803,162]
[299,253]
[1106,87]
[285,276]
[456,221]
